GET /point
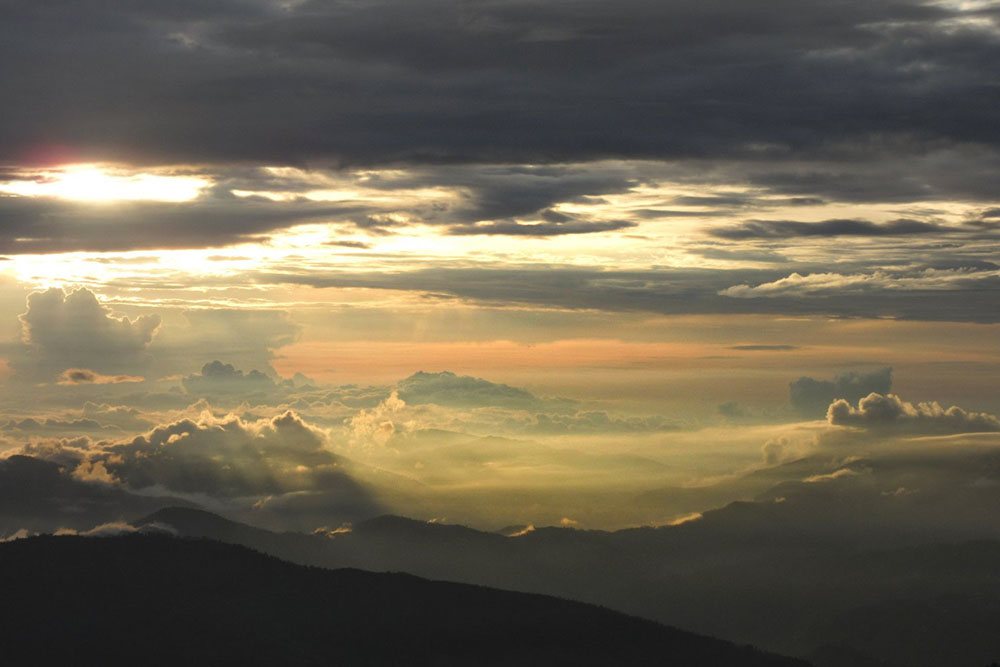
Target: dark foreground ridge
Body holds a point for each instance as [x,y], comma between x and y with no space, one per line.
[147,599]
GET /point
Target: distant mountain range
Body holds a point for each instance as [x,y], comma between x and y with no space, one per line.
[726,576]
[154,600]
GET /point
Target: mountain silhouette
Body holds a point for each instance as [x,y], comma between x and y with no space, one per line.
[155,600]
[836,605]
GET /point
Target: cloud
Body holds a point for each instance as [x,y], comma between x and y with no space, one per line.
[508,81]
[39,492]
[447,389]
[19,534]
[75,331]
[598,421]
[774,451]
[732,410]
[889,414]
[540,228]
[281,465]
[829,477]
[124,417]
[957,295]
[50,425]
[245,338]
[112,529]
[72,376]
[219,378]
[783,229]
[811,397]
[223,457]
[78,321]
[378,424]
[804,285]
[216,218]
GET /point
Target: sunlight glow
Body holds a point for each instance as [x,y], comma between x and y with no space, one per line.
[96,183]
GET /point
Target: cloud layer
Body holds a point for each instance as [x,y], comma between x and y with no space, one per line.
[442,80]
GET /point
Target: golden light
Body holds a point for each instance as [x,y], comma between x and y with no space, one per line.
[95,183]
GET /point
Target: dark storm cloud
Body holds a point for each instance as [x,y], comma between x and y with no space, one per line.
[783,229]
[512,80]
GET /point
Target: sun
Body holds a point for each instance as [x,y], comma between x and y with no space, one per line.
[97,183]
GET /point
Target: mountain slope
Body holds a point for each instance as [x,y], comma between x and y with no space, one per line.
[920,606]
[158,600]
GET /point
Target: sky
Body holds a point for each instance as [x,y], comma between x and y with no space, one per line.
[496,262]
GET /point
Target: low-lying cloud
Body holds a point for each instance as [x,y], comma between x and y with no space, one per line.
[890,414]
[811,397]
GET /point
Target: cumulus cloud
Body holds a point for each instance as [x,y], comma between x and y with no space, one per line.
[891,414]
[219,378]
[245,338]
[774,451]
[811,397]
[222,457]
[276,464]
[377,425]
[78,321]
[77,331]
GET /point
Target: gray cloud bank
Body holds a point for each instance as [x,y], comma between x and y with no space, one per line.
[524,81]
[918,293]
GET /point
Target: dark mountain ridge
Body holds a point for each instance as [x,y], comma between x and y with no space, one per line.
[928,605]
[156,600]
